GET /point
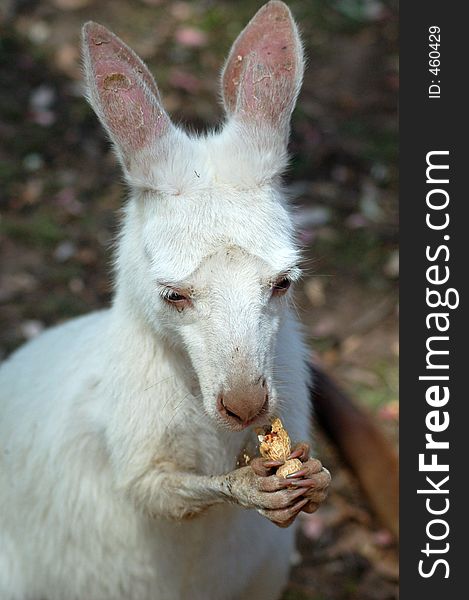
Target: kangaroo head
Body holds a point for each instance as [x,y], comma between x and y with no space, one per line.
[207,252]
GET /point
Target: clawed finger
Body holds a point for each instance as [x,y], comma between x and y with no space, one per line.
[300,451]
[310,468]
[280,499]
[298,474]
[285,516]
[307,483]
[263,467]
[272,483]
[318,481]
[270,464]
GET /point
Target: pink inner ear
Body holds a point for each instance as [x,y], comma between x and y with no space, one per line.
[128,96]
[262,70]
[129,111]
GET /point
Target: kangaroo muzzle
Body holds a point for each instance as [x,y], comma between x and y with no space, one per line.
[241,404]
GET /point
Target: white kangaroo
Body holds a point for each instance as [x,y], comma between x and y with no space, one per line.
[120,431]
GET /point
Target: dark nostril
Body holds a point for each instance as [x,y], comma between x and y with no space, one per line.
[229,412]
[263,383]
[243,403]
[223,407]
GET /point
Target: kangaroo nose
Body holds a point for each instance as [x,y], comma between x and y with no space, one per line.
[241,404]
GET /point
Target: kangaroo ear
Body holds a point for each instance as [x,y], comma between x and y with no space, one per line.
[122,92]
[263,74]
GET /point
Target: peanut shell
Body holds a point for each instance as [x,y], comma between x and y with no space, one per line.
[291,466]
[276,445]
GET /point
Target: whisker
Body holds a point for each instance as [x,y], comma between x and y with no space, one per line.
[158,382]
[170,398]
[176,409]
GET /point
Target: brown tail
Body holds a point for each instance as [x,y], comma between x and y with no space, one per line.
[362,446]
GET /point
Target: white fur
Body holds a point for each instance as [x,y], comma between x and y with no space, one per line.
[108,424]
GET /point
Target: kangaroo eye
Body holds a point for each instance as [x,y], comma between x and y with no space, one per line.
[281,286]
[176,298]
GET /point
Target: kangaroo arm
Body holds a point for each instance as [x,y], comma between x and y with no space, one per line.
[165,492]
[173,494]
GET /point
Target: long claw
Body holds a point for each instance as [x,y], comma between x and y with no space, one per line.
[299,473]
[300,503]
[296,454]
[270,464]
[307,483]
[298,493]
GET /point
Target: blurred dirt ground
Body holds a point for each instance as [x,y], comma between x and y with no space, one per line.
[60,194]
